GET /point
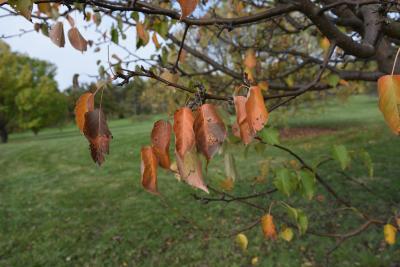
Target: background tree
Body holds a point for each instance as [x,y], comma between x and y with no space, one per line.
[29,98]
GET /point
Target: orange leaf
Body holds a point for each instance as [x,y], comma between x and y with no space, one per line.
[187,7]
[160,139]
[241,119]
[189,167]
[155,41]
[389,100]
[236,129]
[256,112]
[148,169]
[227,184]
[268,227]
[250,60]
[97,132]
[84,104]
[209,129]
[56,34]
[142,33]
[76,39]
[183,129]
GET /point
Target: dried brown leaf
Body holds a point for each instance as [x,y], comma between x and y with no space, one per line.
[56,34]
[209,130]
[189,167]
[183,129]
[160,139]
[97,132]
[241,119]
[256,112]
[77,40]
[148,169]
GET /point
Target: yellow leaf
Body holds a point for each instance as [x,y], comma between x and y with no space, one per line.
[250,60]
[263,85]
[170,76]
[286,234]
[324,43]
[242,241]
[227,184]
[268,227]
[389,232]
[389,100]
[254,261]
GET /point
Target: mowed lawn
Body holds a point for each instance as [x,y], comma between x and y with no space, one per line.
[57,208]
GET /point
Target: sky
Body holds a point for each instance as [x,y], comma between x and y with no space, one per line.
[68,60]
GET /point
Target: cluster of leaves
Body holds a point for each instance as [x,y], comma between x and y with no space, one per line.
[93,123]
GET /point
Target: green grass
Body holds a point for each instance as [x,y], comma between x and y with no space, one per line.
[57,208]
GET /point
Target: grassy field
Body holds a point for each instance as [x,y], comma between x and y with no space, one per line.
[57,208]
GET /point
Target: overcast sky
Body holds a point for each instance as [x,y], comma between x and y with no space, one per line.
[68,60]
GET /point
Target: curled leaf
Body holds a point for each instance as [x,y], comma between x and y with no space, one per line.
[256,112]
[56,34]
[76,39]
[97,132]
[183,129]
[241,240]
[148,169]
[389,232]
[241,119]
[389,100]
[160,139]
[268,227]
[187,7]
[210,131]
[189,167]
[84,104]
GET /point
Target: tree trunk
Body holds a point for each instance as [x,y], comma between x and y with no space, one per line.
[3,132]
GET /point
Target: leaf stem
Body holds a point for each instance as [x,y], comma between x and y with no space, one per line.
[395,61]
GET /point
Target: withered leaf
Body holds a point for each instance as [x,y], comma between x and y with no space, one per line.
[256,112]
[97,132]
[246,134]
[189,167]
[160,139]
[77,40]
[187,7]
[71,21]
[148,169]
[183,129]
[84,104]
[209,130]
[56,34]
